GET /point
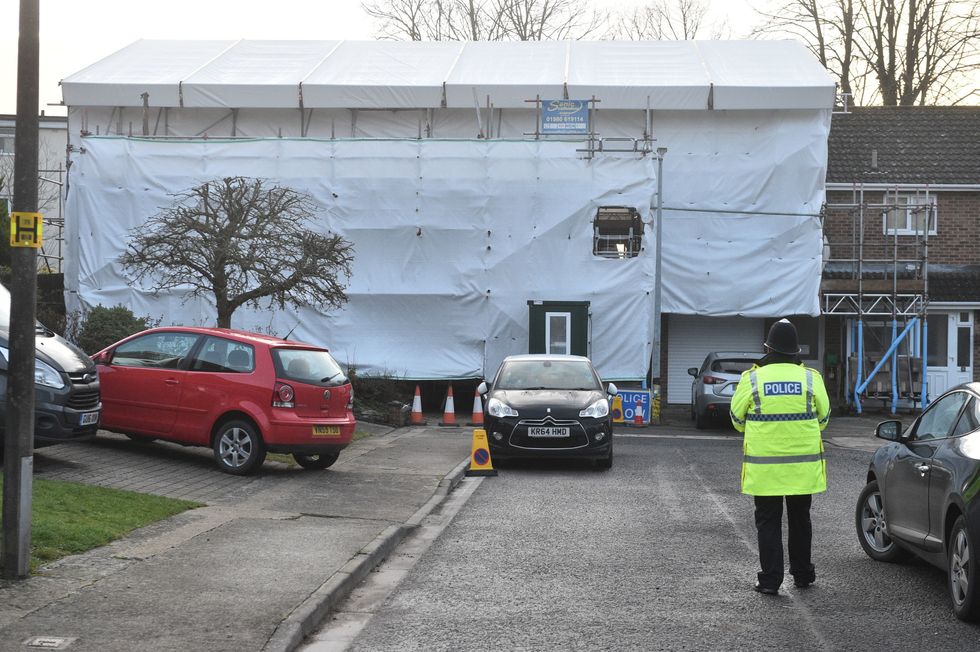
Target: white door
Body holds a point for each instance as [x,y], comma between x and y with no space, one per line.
[690,338]
[950,350]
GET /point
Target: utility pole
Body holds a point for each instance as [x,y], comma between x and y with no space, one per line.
[18,471]
[658,288]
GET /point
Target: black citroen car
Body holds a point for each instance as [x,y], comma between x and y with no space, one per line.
[921,494]
[548,406]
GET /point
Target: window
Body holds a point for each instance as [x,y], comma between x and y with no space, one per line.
[964,340]
[936,422]
[162,350]
[313,367]
[224,356]
[969,420]
[910,215]
[558,332]
[938,353]
[617,232]
[548,374]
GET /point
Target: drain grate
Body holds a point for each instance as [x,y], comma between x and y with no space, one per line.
[48,642]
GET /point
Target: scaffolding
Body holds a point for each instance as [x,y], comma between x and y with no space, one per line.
[886,278]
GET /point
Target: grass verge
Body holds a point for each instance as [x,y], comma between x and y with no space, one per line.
[70,518]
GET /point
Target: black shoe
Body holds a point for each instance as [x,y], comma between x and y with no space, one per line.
[765,589]
[802,584]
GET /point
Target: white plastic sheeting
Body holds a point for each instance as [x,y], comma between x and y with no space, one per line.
[397,75]
[453,238]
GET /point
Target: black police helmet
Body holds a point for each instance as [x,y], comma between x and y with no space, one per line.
[783,338]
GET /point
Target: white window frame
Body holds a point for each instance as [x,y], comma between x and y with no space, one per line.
[568,331]
[911,201]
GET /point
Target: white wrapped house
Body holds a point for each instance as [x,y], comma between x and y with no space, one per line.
[501,197]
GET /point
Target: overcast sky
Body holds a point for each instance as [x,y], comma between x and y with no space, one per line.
[77,33]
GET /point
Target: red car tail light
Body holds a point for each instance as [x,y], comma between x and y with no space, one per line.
[282,395]
[713,380]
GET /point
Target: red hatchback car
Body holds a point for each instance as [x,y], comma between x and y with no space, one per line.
[242,394]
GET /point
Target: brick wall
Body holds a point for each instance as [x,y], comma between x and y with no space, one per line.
[955,242]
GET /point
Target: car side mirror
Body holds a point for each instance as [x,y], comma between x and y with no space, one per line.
[889,430]
[611,389]
[101,358]
[692,371]
[482,388]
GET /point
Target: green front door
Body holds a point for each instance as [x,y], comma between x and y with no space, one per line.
[558,327]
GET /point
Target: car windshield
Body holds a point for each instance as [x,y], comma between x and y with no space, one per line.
[731,366]
[316,367]
[547,374]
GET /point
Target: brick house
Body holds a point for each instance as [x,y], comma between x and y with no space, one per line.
[901,232]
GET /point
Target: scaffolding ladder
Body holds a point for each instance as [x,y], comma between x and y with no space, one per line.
[887,277]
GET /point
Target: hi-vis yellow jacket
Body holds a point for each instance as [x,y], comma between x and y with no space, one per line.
[782,409]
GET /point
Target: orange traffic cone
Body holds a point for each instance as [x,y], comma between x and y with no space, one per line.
[477,419]
[416,417]
[449,414]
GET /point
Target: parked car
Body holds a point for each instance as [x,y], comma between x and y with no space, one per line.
[242,394]
[714,384]
[66,385]
[921,494]
[548,406]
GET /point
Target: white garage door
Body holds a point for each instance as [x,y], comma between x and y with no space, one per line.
[690,338]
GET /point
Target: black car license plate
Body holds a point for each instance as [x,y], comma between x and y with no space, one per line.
[547,431]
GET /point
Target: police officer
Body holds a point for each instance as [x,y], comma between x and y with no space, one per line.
[782,407]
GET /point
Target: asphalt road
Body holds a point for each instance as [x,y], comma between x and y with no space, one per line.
[657,554]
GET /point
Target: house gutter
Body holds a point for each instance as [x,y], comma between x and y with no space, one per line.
[955,187]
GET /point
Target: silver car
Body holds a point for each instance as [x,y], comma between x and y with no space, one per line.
[715,382]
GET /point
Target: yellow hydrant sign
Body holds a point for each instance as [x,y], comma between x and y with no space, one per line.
[25,230]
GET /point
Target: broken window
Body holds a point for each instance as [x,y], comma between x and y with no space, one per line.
[617,232]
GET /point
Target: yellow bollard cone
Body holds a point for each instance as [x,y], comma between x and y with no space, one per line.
[480,463]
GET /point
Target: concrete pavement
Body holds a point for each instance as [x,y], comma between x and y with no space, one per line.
[255,569]
[270,554]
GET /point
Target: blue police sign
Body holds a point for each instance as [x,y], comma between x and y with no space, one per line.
[564,117]
[630,404]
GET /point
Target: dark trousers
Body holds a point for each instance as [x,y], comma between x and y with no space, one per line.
[769,523]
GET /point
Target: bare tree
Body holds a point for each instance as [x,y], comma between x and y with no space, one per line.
[437,20]
[550,20]
[898,52]
[48,194]
[672,20]
[241,240]
[484,20]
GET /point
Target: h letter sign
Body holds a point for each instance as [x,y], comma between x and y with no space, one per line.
[25,230]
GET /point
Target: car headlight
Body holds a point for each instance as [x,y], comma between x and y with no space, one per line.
[497,408]
[44,374]
[597,410]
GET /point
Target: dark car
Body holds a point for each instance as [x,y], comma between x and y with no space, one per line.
[921,494]
[548,406]
[67,403]
[241,394]
[714,385]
